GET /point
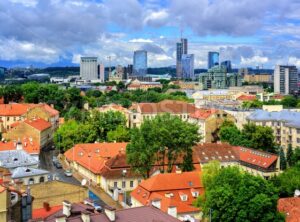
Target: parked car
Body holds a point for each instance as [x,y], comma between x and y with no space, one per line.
[68,173]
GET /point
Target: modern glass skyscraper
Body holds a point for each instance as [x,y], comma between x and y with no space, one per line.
[140,63]
[181,49]
[286,79]
[213,59]
[187,61]
[227,64]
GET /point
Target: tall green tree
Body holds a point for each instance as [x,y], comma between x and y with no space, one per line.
[232,195]
[120,134]
[289,155]
[282,159]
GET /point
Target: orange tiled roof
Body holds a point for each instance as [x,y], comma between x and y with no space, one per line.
[94,155]
[50,110]
[291,207]
[169,106]
[15,109]
[28,145]
[43,213]
[203,113]
[247,97]
[39,124]
[168,188]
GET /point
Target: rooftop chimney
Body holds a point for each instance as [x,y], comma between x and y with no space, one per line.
[85,216]
[19,146]
[67,208]
[110,213]
[172,210]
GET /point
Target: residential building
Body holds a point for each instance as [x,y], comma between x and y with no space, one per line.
[84,212]
[253,161]
[187,62]
[172,193]
[265,97]
[117,74]
[213,59]
[290,206]
[227,65]
[136,84]
[38,130]
[140,63]
[89,159]
[141,111]
[53,193]
[185,85]
[181,49]
[89,68]
[258,78]
[285,125]
[101,72]
[29,175]
[11,113]
[209,122]
[286,79]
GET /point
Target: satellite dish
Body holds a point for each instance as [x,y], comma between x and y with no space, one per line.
[83,182]
[297,193]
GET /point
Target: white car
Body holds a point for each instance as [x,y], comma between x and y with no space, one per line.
[68,173]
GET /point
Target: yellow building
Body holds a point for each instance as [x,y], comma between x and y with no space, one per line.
[4,200]
[258,78]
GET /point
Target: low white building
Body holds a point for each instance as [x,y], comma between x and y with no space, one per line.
[30,175]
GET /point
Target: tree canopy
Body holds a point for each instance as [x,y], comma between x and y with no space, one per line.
[163,140]
[233,195]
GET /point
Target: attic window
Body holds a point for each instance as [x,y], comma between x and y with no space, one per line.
[183,197]
[15,159]
[27,170]
[195,193]
[190,183]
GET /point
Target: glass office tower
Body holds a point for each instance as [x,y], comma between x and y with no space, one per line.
[140,63]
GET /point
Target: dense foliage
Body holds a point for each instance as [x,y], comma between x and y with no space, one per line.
[287,102]
[252,136]
[165,140]
[233,195]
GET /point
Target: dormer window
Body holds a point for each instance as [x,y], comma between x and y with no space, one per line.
[195,193]
[183,197]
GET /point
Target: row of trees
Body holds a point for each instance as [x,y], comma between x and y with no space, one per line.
[233,195]
[287,102]
[252,136]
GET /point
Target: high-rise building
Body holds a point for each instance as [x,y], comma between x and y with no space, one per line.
[187,62]
[140,63]
[101,72]
[181,49]
[227,64]
[213,59]
[285,79]
[89,68]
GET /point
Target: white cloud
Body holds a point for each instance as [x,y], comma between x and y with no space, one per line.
[140,40]
[294,61]
[254,61]
[27,3]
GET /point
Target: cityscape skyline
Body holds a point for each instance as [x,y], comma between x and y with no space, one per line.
[254,34]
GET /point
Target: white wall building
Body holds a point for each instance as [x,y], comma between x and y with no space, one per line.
[285,79]
[89,68]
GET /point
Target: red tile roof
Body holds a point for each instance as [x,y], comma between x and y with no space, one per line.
[167,106]
[291,207]
[203,113]
[247,97]
[30,146]
[39,124]
[43,213]
[168,188]
[94,155]
[15,109]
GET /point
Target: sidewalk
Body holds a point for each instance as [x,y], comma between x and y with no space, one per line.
[95,189]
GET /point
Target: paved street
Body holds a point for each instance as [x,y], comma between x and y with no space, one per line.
[95,191]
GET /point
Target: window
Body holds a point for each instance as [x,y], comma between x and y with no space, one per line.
[7,118]
[123,184]
[298,140]
[298,131]
[42,179]
[131,183]
[31,181]
[183,197]
[134,116]
[115,184]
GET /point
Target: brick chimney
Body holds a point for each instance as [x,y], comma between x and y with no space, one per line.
[110,213]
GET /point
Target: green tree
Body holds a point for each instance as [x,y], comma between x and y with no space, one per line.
[120,134]
[282,159]
[232,195]
[288,181]
[289,155]
[289,102]
[295,157]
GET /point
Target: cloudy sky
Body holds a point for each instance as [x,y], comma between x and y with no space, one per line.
[57,32]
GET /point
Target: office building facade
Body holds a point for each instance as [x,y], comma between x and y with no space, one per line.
[227,65]
[285,79]
[89,68]
[101,72]
[187,62]
[213,59]
[181,49]
[140,63]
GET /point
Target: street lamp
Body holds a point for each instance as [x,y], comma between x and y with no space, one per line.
[124,188]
